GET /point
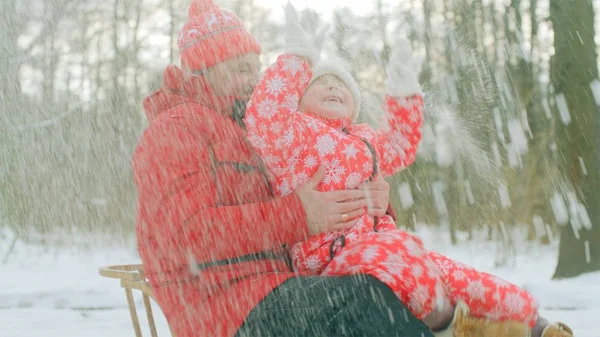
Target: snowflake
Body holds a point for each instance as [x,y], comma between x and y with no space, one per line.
[295,251]
[444,266]
[278,171]
[417,271]
[278,144]
[395,264]
[417,298]
[345,253]
[351,237]
[361,133]
[367,167]
[325,145]
[284,188]
[405,129]
[350,151]
[315,244]
[386,278]
[497,296]
[310,161]
[250,121]
[476,290]
[415,115]
[514,303]
[268,108]
[459,275]
[501,283]
[330,236]
[271,161]
[293,65]
[358,269]
[276,128]
[291,102]
[389,153]
[369,254]
[401,143]
[333,172]
[353,180]
[413,247]
[288,137]
[314,124]
[258,142]
[312,263]
[293,160]
[432,269]
[368,135]
[263,128]
[390,238]
[304,79]
[276,85]
[299,179]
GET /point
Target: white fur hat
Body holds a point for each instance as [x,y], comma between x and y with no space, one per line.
[338,68]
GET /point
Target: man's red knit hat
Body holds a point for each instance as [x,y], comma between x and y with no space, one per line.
[211,36]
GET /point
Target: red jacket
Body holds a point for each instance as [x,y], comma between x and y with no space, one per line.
[211,234]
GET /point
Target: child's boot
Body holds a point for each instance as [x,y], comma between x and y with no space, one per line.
[557,330]
[464,325]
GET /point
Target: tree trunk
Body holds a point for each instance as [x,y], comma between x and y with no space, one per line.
[572,70]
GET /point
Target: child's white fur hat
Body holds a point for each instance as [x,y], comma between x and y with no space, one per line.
[337,67]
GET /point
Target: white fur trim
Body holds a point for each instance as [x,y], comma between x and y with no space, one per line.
[337,68]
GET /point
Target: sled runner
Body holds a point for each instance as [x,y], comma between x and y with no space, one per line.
[132,277]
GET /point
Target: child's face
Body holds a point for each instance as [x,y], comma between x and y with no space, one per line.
[328,97]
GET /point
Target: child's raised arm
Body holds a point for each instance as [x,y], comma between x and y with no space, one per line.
[271,116]
[273,122]
[398,141]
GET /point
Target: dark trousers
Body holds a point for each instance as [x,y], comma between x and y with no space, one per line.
[332,306]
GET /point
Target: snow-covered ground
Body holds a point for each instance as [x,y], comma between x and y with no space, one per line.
[54,292]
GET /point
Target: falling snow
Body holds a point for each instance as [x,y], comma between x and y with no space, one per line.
[507,165]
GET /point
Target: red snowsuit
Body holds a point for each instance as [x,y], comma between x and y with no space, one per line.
[293,145]
[203,200]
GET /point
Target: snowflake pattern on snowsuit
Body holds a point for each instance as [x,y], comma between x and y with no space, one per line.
[294,144]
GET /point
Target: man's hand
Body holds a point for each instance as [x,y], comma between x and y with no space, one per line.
[377,193]
[336,210]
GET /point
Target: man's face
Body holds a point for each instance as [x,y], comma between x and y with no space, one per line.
[236,77]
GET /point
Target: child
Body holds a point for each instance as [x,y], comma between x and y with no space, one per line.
[299,118]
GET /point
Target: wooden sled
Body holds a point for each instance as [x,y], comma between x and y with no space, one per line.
[132,277]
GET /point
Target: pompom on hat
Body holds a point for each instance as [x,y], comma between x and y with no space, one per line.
[337,67]
[211,36]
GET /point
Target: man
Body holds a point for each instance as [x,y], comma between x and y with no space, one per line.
[212,238]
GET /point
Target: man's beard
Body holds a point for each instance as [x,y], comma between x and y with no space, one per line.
[239,111]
